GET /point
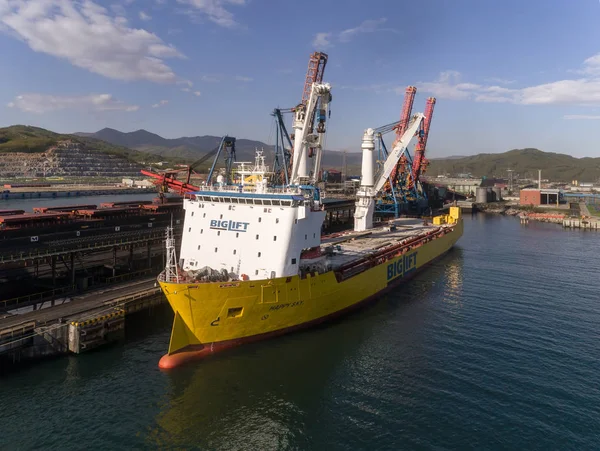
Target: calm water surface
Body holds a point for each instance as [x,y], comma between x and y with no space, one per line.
[494,347]
[28,204]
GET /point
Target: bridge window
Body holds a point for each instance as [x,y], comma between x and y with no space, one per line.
[204,215]
[234,251]
[314,235]
[237,235]
[275,238]
[219,233]
[216,249]
[257,237]
[276,220]
[201,231]
[293,261]
[189,229]
[198,247]
[306,237]
[256,272]
[192,213]
[259,254]
[259,219]
[221,217]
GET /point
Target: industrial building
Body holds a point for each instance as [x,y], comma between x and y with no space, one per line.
[536,196]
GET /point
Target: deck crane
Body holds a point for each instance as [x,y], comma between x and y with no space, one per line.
[371,183]
[400,128]
[283,156]
[307,139]
[419,165]
[168,179]
[403,190]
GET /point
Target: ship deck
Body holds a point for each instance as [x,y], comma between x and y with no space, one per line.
[353,246]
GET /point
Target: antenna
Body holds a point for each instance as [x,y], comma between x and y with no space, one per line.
[171,270]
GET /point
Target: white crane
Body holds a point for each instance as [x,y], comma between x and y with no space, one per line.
[304,137]
[371,183]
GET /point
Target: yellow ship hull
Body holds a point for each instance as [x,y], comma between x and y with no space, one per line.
[210,317]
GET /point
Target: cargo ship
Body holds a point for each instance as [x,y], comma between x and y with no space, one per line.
[253,262]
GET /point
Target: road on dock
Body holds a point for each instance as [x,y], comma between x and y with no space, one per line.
[80,303]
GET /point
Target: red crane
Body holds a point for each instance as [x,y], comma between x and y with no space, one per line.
[168,179]
[409,99]
[314,74]
[419,161]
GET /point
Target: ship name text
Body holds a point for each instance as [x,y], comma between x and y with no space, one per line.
[288,304]
[402,266]
[234,226]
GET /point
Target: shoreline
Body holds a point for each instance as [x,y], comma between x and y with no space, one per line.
[549,215]
[69,191]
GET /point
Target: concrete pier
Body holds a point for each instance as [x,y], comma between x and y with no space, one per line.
[89,320]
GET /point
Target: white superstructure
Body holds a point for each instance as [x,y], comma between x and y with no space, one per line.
[252,235]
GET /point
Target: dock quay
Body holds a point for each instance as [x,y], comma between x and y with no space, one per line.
[581,223]
[81,323]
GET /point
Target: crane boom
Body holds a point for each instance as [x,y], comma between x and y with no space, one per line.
[409,99]
[397,151]
[314,74]
[167,180]
[304,137]
[419,161]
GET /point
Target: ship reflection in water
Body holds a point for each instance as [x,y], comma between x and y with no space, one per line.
[264,395]
[453,279]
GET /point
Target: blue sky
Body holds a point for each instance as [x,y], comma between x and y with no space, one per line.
[506,75]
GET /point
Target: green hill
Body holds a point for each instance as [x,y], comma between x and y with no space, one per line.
[524,162]
[28,139]
[22,138]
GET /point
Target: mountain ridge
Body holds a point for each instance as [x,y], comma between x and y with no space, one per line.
[193,147]
[524,162]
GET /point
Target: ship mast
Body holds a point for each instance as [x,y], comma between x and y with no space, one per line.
[171,270]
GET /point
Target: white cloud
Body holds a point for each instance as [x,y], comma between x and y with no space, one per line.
[210,79]
[368,26]
[197,93]
[87,36]
[580,117]
[214,10]
[159,104]
[500,81]
[118,9]
[244,79]
[144,16]
[43,103]
[581,91]
[326,39]
[447,86]
[322,40]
